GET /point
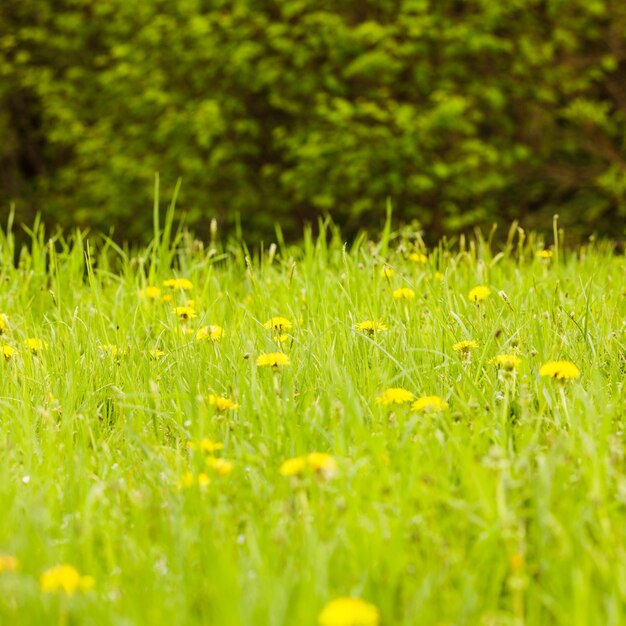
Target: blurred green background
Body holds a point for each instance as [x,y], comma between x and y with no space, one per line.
[458,112]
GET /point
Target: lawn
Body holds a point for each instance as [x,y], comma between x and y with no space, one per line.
[193,433]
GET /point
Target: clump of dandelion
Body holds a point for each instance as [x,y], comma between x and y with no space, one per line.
[221,467]
[273,359]
[319,463]
[278,324]
[395,395]
[387,272]
[35,345]
[8,563]
[4,323]
[561,370]
[65,578]
[347,611]
[464,347]
[368,327]
[178,283]
[8,352]
[479,293]
[150,292]
[419,258]
[188,480]
[205,445]
[429,403]
[545,254]
[404,293]
[185,313]
[508,362]
[213,332]
[221,403]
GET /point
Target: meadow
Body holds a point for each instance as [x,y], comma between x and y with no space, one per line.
[343,435]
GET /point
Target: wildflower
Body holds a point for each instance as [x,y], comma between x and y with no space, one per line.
[320,463]
[65,578]
[178,283]
[205,445]
[429,403]
[8,563]
[395,395]
[111,349]
[221,403]
[35,345]
[8,353]
[479,293]
[545,254]
[167,298]
[222,467]
[464,346]
[386,272]
[561,370]
[349,612]
[507,361]
[275,359]
[155,353]
[4,322]
[278,324]
[185,313]
[418,257]
[369,328]
[404,293]
[189,480]
[212,332]
[438,276]
[150,292]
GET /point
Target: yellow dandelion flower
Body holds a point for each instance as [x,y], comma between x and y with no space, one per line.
[293,467]
[438,276]
[65,578]
[150,292]
[178,283]
[188,480]
[274,359]
[429,403]
[185,313]
[369,328]
[205,445]
[464,346]
[561,370]
[545,254]
[279,324]
[395,395]
[349,612]
[4,323]
[167,298]
[404,293]
[222,467]
[319,463]
[479,293]
[221,403]
[8,563]
[386,272]
[35,345]
[507,361]
[8,352]
[155,353]
[418,257]
[110,348]
[211,332]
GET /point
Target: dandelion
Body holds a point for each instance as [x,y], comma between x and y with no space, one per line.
[369,328]
[320,463]
[8,563]
[150,292]
[222,467]
[185,313]
[110,348]
[438,276]
[35,345]
[8,353]
[464,346]
[65,578]
[205,445]
[188,480]
[545,254]
[279,324]
[479,293]
[4,323]
[561,370]
[178,283]
[221,403]
[274,359]
[211,332]
[155,353]
[507,361]
[395,395]
[167,298]
[386,272]
[404,293]
[419,258]
[429,403]
[349,612]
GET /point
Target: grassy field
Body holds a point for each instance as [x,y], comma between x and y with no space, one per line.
[171,453]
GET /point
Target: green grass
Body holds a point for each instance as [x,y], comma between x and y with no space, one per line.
[507,508]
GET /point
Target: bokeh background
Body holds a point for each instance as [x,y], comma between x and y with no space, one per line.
[460,113]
